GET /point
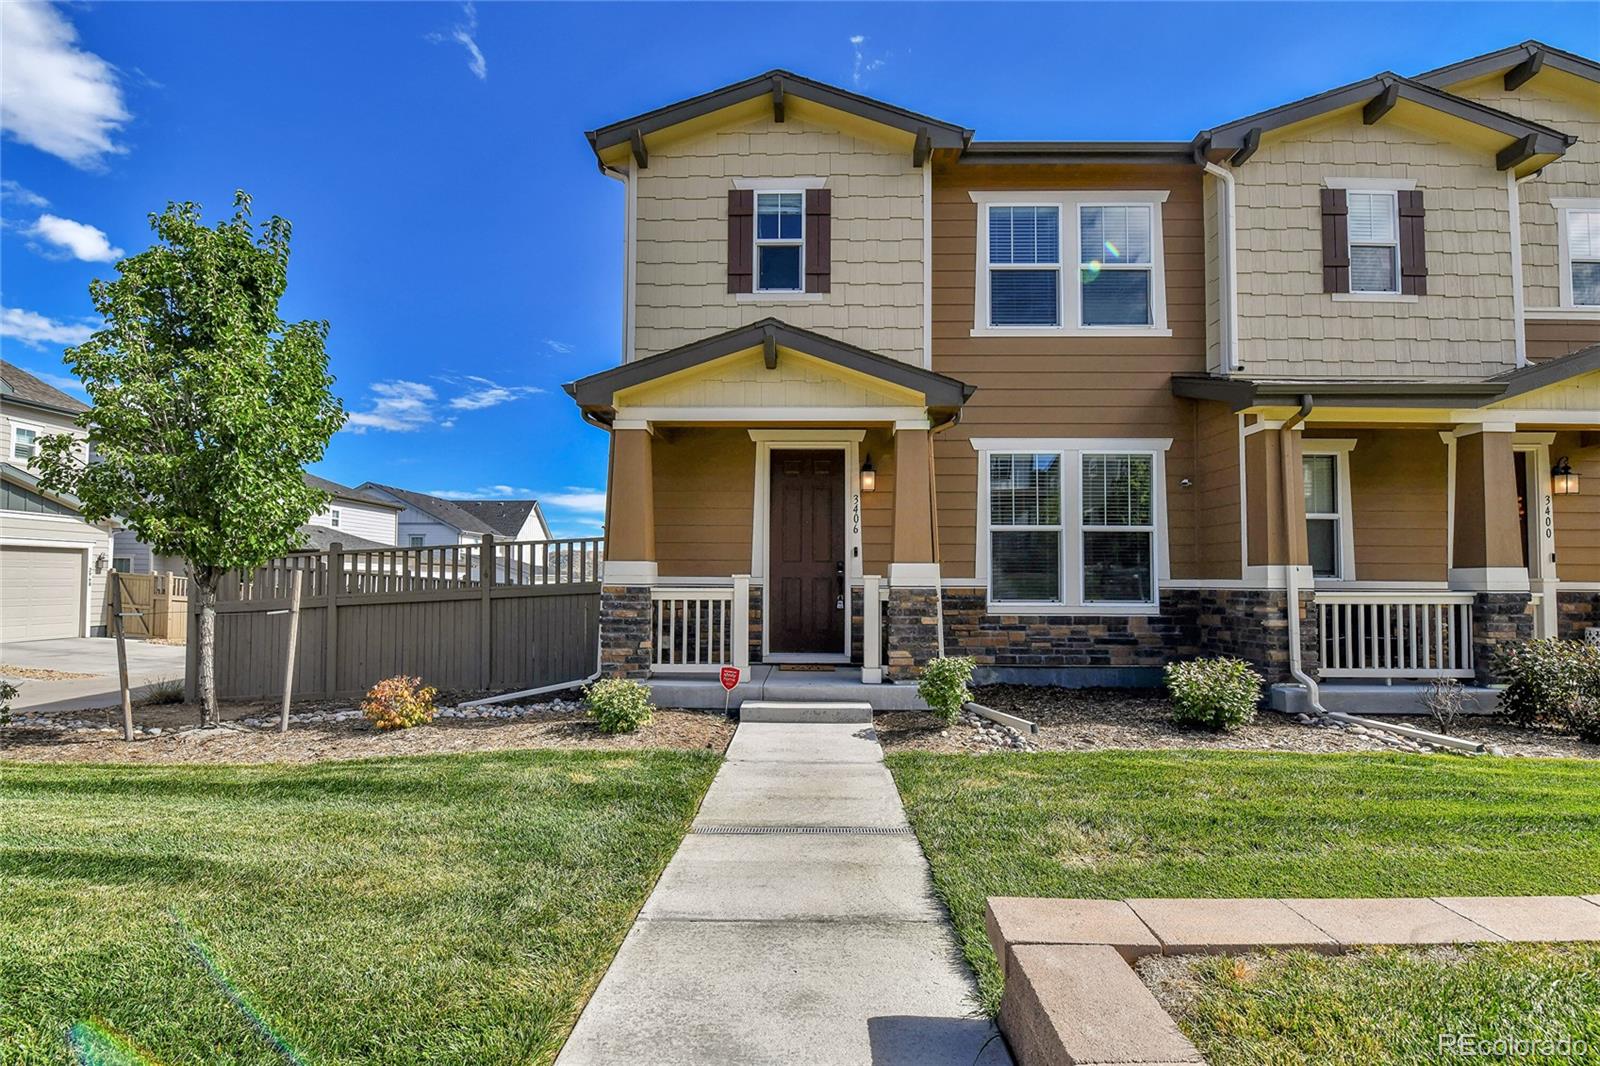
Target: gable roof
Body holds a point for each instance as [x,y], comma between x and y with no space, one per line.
[1379,94]
[596,390]
[1548,372]
[777,84]
[505,517]
[321,538]
[345,492]
[502,518]
[1530,56]
[19,386]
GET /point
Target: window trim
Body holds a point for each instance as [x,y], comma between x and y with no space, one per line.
[1393,197]
[333,517]
[776,242]
[416,540]
[989,267]
[1070,313]
[1085,528]
[38,436]
[1149,267]
[1340,448]
[1565,205]
[1071,450]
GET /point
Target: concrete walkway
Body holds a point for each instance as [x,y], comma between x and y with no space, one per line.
[147,664]
[796,923]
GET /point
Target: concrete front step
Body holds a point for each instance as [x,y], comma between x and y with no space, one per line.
[796,711]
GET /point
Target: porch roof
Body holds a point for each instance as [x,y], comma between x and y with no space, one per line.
[597,391]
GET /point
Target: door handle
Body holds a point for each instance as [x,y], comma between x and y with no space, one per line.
[838,572]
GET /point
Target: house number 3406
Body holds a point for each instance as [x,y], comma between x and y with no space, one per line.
[855,513]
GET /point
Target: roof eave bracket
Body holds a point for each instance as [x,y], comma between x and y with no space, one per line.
[1517,152]
[922,147]
[1252,141]
[1520,74]
[640,156]
[769,349]
[1381,104]
[777,99]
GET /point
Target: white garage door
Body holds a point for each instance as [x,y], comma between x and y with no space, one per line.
[41,593]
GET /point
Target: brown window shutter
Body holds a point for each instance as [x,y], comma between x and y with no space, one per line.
[1335,241]
[1413,247]
[741,240]
[819,240]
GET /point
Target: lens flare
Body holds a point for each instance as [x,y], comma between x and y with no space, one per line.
[1091,270]
[1111,251]
[240,1002]
[92,1044]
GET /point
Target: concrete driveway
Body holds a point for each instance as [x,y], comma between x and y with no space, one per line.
[147,664]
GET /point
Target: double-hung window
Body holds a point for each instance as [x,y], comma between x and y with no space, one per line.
[1580,254]
[780,241]
[1374,241]
[1322,513]
[1115,264]
[1024,265]
[24,443]
[1072,525]
[333,517]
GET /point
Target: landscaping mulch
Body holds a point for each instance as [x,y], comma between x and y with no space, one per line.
[541,726]
[1090,719]
[39,673]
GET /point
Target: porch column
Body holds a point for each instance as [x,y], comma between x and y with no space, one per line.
[1486,557]
[1275,502]
[626,644]
[913,614]
[1253,623]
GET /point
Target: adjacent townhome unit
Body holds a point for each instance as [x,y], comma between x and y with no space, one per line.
[1318,387]
[426,521]
[52,562]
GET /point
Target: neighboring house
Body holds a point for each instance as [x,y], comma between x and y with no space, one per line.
[1086,408]
[427,521]
[357,519]
[52,562]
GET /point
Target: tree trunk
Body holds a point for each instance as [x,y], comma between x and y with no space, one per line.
[205,582]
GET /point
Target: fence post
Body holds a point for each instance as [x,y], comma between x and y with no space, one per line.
[296,580]
[871,630]
[741,624]
[122,655]
[486,613]
[330,652]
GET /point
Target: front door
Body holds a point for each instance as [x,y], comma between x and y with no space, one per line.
[805,586]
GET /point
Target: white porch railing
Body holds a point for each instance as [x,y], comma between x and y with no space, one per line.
[701,629]
[1395,635]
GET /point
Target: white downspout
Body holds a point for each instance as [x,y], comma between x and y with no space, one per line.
[1519,317]
[1291,573]
[1228,263]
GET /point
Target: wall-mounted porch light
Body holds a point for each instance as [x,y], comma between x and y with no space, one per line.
[869,476]
[1563,479]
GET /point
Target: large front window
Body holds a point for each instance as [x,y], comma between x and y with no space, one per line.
[780,241]
[1374,242]
[1072,527]
[1024,265]
[1114,264]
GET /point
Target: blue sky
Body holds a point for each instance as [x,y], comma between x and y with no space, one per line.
[449,220]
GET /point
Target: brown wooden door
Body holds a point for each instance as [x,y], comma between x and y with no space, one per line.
[805,612]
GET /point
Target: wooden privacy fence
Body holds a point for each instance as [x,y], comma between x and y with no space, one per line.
[153,605]
[496,615]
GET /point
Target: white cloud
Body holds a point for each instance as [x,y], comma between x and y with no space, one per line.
[560,347]
[53,95]
[23,197]
[78,239]
[465,33]
[36,331]
[398,406]
[481,393]
[574,498]
[485,492]
[862,66]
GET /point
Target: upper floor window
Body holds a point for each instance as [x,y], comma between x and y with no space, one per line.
[1114,264]
[1374,242]
[416,541]
[780,241]
[333,517]
[1023,284]
[24,443]
[1580,253]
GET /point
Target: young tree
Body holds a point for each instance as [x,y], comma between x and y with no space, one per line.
[205,405]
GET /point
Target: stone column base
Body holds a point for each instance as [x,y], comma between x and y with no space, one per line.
[1498,619]
[1576,612]
[1250,624]
[913,623]
[626,643]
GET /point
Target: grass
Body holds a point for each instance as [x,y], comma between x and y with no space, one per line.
[1398,1006]
[1123,824]
[440,909]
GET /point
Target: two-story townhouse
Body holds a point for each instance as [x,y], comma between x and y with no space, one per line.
[427,521]
[52,562]
[1081,409]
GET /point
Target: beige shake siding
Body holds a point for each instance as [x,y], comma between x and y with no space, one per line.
[1290,328]
[681,237]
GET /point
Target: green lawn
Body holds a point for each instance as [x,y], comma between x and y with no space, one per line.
[453,909]
[1123,824]
[1380,1007]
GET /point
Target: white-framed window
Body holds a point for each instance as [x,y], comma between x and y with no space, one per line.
[1578,230]
[780,241]
[1115,264]
[1024,268]
[122,564]
[1117,286]
[1374,228]
[416,540]
[24,442]
[1330,535]
[1071,525]
[333,517]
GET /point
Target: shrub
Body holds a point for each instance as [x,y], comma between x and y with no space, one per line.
[618,705]
[399,703]
[1583,716]
[1445,700]
[167,690]
[1215,693]
[8,692]
[944,686]
[1546,678]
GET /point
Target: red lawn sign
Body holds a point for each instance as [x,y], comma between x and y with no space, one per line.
[730,677]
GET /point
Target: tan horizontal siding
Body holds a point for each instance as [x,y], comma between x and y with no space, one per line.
[1398,485]
[1066,386]
[1547,340]
[1578,517]
[1216,491]
[704,492]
